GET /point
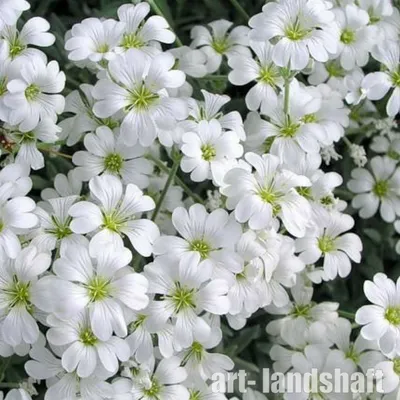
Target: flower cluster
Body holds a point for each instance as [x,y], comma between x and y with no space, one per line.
[180,218]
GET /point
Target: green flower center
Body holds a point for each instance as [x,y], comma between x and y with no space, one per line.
[138,323]
[131,41]
[194,394]
[394,154]
[182,298]
[348,36]
[87,337]
[110,123]
[16,47]
[201,247]
[60,230]
[208,152]
[141,98]
[381,188]
[352,354]
[289,130]
[296,32]
[113,162]
[269,196]
[3,86]
[373,19]
[396,366]
[327,200]
[28,137]
[396,78]
[309,119]
[392,314]
[326,244]
[269,75]
[32,92]
[19,294]
[220,45]
[301,310]
[334,70]
[112,222]
[154,390]
[103,48]
[98,289]
[196,351]
[305,192]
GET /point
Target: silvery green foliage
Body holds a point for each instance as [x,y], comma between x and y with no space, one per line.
[180,232]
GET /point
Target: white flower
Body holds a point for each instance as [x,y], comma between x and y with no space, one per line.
[20,294]
[211,109]
[379,189]
[381,18]
[185,292]
[54,228]
[318,357]
[34,32]
[219,42]
[94,40]
[326,240]
[64,186]
[142,329]
[141,34]
[378,84]
[363,353]
[33,95]
[331,73]
[266,194]
[356,89]
[281,276]
[10,11]
[80,103]
[27,142]
[211,236]
[390,377]
[107,154]
[382,319]
[206,151]
[261,70]
[302,315]
[16,217]
[101,283]
[356,39]
[137,88]
[301,28]
[83,349]
[387,145]
[191,62]
[165,383]
[18,394]
[63,385]
[199,363]
[115,214]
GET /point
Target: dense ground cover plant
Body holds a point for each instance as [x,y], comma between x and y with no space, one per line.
[182,195]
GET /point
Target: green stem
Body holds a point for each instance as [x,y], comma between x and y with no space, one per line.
[171,177]
[286,94]
[178,180]
[9,385]
[159,12]
[240,10]
[347,141]
[55,152]
[213,77]
[347,314]
[4,367]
